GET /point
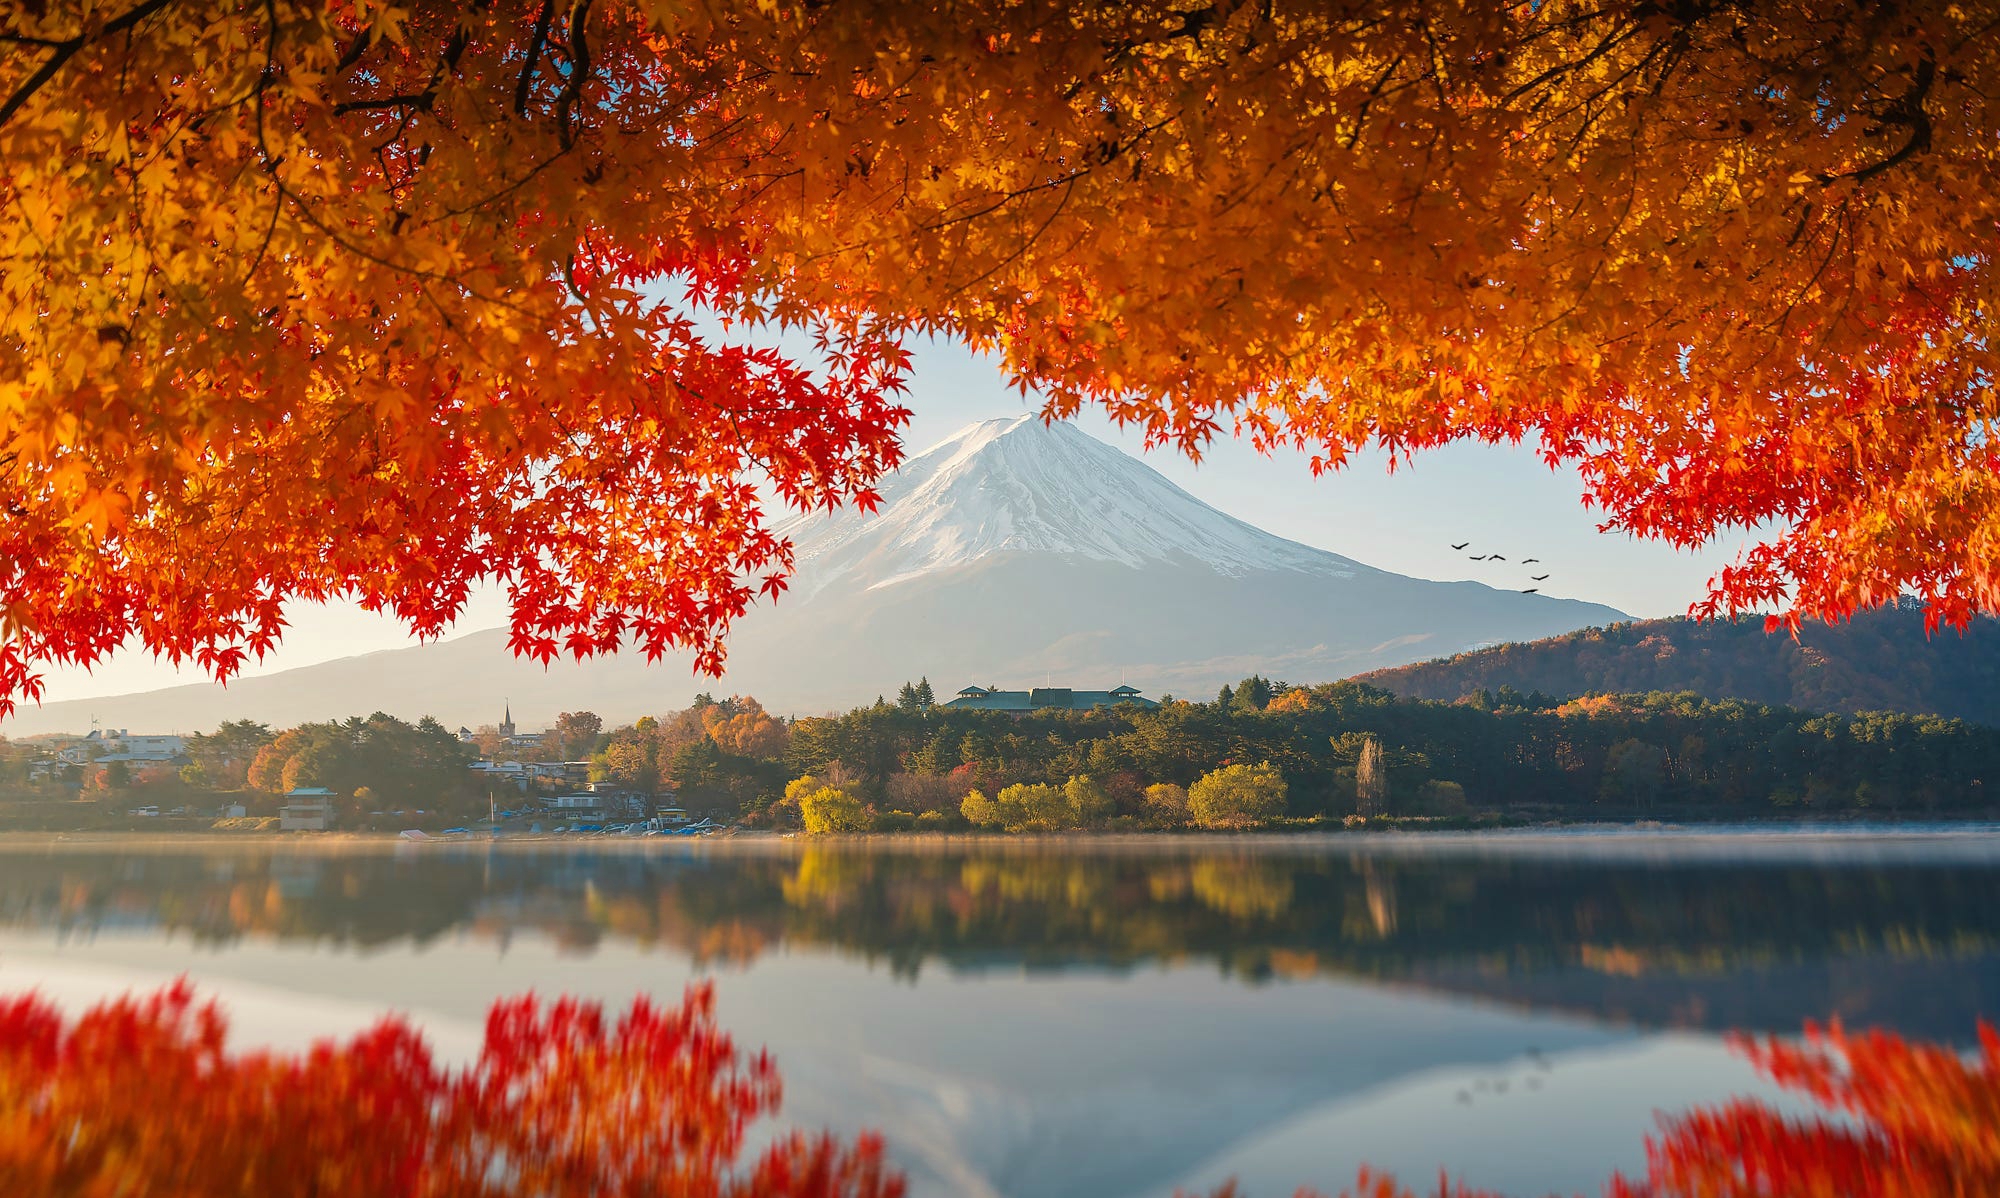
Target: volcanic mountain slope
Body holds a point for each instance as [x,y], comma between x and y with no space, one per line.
[1011,553]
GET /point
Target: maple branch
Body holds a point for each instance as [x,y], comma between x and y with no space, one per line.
[1908,110]
[1368,101]
[534,56]
[351,55]
[1023,247]
[63,51]
[1605,45]
[479,202]
[426,99]
[579,69]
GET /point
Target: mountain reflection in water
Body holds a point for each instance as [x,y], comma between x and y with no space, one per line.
[1652,942]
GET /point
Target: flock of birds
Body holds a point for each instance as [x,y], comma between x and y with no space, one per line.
[1495,557]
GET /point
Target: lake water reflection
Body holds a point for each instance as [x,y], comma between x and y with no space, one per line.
[1100,1020]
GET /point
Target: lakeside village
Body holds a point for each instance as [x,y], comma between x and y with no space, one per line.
[1261,754]
[527,784]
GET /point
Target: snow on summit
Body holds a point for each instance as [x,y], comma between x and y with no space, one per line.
[1016,485]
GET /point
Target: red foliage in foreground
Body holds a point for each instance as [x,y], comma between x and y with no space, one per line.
[1896,1120]
[138,1096]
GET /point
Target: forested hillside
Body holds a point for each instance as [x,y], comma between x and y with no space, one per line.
[1882,661]
[1325,751]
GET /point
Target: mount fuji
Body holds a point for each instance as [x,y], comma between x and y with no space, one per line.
[1012,552]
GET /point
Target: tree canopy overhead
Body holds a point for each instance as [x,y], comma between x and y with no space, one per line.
[306,298]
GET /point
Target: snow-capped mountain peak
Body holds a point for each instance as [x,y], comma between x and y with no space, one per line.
[1017,485]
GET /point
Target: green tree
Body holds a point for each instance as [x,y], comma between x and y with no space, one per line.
[225,755]
[1088,804]
[1237,796]
[1633,772]
[832,809]
[577,732]
[628,761]
[1252,694]
[1167,802]
[698,766]
[1443,798]
[979,810]
[1034,807]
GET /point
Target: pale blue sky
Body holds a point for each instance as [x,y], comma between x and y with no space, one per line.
[1501,499]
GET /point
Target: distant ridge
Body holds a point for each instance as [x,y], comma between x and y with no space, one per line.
[1881,661]
[1010,552]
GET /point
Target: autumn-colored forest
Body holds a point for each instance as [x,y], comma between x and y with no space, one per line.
[1620,756]
[1259,754]
[1882,660]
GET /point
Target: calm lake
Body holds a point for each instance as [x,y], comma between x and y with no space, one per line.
[1101,1019]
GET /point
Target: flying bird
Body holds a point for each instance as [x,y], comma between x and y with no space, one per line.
[1480,558]
[1498,558]
[1531,590]
[1529,561]
[1538,578]
[1461,545]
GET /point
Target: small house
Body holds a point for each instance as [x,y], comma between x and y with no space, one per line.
[306,809]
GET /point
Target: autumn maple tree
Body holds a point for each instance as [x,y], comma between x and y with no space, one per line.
[309,298]
[141,1095]
[1883,1116]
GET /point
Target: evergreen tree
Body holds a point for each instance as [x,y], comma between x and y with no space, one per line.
[1252,694]
[925,698]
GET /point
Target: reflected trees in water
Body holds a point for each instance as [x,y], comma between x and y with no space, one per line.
[141,1095]
[1715,944]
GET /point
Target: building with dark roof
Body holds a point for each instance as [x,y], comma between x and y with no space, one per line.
[1044,698]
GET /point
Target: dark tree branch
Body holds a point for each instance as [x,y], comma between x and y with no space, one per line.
[62,51]
[351,55]
[425,100]
[579,69]
[422,100]
[534,56]
[1907,111]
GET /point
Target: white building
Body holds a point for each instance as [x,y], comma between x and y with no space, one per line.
[306,809]
[116,744]
[512,773]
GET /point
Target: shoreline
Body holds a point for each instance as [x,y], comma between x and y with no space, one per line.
[1974,839]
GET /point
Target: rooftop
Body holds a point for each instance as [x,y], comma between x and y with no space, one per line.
[1045,698]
